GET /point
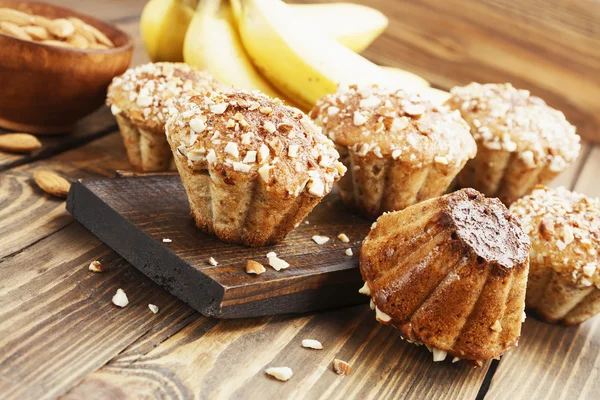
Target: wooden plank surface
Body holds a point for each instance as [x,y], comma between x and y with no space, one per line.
[59,333]
[549,47]
[133,216]
[227,360]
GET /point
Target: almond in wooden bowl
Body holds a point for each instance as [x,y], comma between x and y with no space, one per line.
[49,77]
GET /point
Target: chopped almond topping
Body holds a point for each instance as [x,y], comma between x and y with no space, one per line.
[153,308]
[312,344]
[281,373]
[341,367]
[253,267]
[95,266]
[120,298]
[343,237]
[213,262]
[320,239]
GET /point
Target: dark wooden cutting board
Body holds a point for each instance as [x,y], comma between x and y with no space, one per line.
[133,215]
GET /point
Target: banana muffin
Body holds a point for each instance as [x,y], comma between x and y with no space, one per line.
[564,277]
[521,141]
[399,149]
[252,167]
[449,273]
[140,100]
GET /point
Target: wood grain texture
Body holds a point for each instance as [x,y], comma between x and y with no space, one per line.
[228,359]
[549,47]
[27,214]
[134,215]
[57,320]
[551,362]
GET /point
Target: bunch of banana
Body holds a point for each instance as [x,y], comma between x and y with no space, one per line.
[164,25]
[295,52]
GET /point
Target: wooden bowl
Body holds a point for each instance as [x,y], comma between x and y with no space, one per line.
[46,89]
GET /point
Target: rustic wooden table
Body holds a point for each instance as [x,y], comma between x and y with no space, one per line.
[60,335]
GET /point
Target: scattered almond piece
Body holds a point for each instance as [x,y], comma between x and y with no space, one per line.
[166,240]
[341,367]
[19,143]
[365,289]
[213,262]
[312,344]
[52,183]
[253,267]
[120,298]
[153,308]
[497,327]
[439,355]
[349,252]
[281,373]
[343,237]
[320,239]
[95,266]
[277,263]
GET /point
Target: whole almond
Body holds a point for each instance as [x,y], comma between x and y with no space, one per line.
[19,142]
[14,16]
[14,30]
[78,40]
[100,37]
[37,32]
[56,43]
[81,27]
[63,28]
[52,183]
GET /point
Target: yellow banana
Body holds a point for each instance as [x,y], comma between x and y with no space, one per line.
[353,25]
[163,24]
[302,63]
[212,43]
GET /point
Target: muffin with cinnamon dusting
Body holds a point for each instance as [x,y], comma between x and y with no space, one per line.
[521,141]
[450,273]
[399,149]
[252,167]
[140,100]
[564,278]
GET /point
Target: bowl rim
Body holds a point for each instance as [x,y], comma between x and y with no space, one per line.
[128,45]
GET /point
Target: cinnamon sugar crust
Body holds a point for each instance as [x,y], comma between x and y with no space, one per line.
[564,227]
[380,123]
[505,118]
[242,136]
[145,93]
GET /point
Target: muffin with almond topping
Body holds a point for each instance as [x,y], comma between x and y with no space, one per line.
[140,100]
[399,149]
[450,273]
[521,141]
[252,167]
[564,277]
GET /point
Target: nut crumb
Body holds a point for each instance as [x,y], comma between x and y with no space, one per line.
[439,355]
[253,267]
[381,316]
[365,289]
[312,344]
[349,252]
[213,262]
[496,327]
[341,367]
[277,263]
[281,373]
[153,308]
[343,237]
[167,240]
[320,239]
[120,298]
[95,266]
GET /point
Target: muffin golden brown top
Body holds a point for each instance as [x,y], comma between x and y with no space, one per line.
[505,118]
[145,93]
[245,135]
[383,122]
[564,227]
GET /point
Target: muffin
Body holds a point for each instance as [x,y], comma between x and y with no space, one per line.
[449,273]
[399,149]
[140,100]
[521,141]
[564,277]
[252,167]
